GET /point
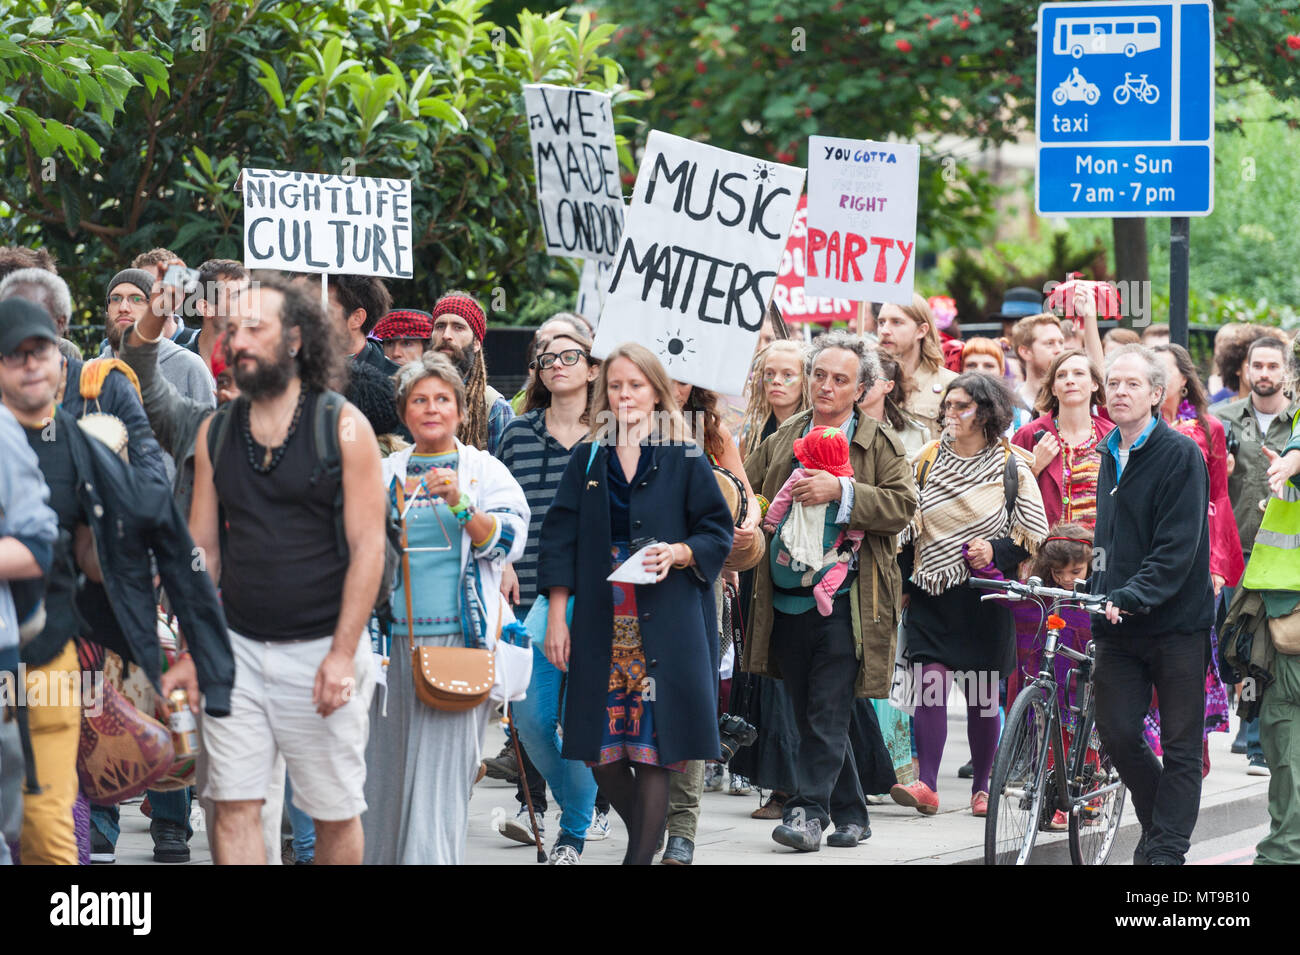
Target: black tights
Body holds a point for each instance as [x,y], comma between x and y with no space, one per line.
[640,797]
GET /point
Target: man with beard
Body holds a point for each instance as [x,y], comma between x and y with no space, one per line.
[459,324]
[298,550]
[128,301]
[1260,420]
[1037,339]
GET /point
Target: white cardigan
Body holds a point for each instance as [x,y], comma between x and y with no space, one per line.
[492,489]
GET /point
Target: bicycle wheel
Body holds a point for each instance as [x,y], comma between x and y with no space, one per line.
[1122,94]
[1093,827]
[1018,779]
[1150,95]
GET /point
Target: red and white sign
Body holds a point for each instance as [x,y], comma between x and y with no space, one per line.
[789,296]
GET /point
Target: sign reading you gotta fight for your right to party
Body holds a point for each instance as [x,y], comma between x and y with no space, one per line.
[861,219]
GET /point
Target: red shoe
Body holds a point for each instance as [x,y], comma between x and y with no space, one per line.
[918,795]
[1058,823]
[979,804]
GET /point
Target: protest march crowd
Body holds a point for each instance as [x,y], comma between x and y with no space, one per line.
[300,557]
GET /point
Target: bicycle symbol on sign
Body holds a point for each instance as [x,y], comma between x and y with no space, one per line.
[1139,88]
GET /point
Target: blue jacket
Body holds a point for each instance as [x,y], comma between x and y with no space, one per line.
[677,500]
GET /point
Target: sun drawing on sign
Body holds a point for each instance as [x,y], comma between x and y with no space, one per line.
[763,172]
[675,347]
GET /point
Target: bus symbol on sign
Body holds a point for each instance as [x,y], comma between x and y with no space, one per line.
[1128,35]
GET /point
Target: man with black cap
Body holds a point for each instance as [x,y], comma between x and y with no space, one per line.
[111,517]
[127,302]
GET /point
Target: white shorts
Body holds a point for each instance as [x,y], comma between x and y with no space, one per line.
[271,712]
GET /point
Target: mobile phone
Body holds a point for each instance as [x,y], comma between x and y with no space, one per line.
[178,276]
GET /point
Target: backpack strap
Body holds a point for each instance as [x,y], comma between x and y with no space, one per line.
[218,429]
[329,457]
[96,370]
[1010,477]
[924,461]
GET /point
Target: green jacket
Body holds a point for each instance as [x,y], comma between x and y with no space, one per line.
[883,503]
[1248,484]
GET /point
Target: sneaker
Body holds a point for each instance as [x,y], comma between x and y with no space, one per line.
[599,828]
[519,829]
[979,804]
[848,836]
[876,799]
[1258,767]
[1058,823]
[713,778]
[169,843]
[740,786]
[102,852]
[967,771]
[564,854]
[803,836]
[918,795]
[503,765]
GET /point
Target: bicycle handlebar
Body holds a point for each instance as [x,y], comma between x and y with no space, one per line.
[1016,590]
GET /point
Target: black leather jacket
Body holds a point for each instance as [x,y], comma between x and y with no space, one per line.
[132,514]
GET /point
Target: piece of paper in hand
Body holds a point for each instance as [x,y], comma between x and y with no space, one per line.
[632,570]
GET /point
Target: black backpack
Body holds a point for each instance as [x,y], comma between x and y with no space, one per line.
[329,466]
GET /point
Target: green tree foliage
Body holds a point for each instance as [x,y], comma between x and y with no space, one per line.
[395,88]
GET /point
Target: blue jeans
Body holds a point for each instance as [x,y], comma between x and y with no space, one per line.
[571,782]
[171,806]
[304,830]
[1253,748]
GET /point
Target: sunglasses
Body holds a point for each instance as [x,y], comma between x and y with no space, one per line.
[569,356]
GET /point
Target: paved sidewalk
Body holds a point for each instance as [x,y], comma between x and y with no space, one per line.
[901,836]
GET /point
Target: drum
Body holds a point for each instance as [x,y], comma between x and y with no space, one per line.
[733,491]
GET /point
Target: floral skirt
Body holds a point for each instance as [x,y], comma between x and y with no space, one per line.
[1216,704]
[629,731]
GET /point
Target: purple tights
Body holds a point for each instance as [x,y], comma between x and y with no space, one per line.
[931,726]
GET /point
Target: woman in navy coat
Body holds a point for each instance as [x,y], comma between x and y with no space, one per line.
[642,660]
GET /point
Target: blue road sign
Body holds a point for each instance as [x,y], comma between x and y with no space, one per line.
[1125,109]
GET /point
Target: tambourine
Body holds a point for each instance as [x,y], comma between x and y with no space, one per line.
[107,429]
[733,491]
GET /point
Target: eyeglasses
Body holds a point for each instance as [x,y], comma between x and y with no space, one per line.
[955,407]
[785,378]
[18,359]
[116,299]
[569,356]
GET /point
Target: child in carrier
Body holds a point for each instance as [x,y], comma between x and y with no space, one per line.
[1064,557]
[803,527]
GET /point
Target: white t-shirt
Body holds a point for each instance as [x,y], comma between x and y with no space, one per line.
[1264,420]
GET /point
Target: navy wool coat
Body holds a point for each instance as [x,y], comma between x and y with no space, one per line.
[676,501]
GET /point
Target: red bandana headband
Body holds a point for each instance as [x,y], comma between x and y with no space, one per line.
[466,308]
[404,323]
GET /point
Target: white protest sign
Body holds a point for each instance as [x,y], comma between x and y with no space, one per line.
[307,222]
[576,163]
[591,290]
[861,219]
[694,273]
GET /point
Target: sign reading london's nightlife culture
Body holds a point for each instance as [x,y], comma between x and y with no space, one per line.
[861,219]
[790,296]
[698,261]
[308,222]
[575,160]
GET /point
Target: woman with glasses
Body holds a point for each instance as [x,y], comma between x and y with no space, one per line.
[963,515]
[535,448]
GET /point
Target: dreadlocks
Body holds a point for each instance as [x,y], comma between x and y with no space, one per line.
[474,425]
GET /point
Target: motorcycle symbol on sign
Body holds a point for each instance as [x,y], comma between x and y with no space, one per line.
[1075,87]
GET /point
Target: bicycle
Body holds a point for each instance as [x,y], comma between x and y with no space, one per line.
[1024,791]
[1139,88]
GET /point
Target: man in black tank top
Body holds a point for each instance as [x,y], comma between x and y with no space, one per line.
[296,600]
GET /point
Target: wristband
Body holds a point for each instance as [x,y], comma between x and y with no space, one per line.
[463,512]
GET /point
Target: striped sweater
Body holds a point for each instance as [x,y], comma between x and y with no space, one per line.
[537,461]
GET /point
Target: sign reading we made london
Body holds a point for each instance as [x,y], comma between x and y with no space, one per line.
[1125,109]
